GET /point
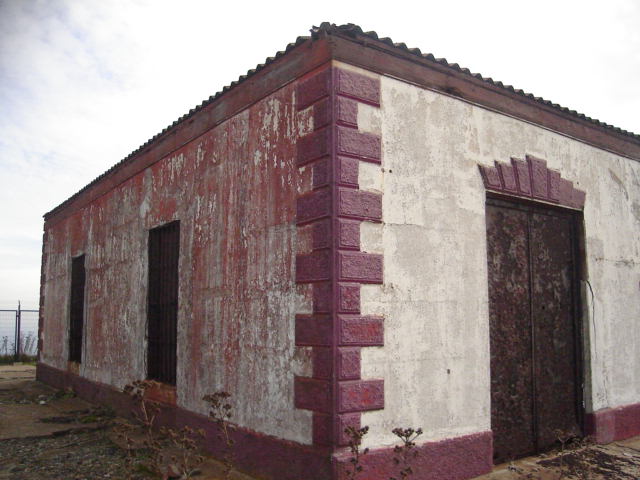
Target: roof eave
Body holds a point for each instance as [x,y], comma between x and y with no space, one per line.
[350,45]
[425,71]
[306,55]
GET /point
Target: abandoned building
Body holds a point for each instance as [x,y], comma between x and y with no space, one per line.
[356,233]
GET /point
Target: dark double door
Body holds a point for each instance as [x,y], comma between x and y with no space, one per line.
[536,392]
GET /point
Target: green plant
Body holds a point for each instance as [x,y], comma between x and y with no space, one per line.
[355,442]
[220,411]
[404,453]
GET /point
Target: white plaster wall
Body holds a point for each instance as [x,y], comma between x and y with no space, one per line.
[435,361]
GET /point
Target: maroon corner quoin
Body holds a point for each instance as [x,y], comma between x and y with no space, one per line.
[531,179]
[336,268]
[612,424]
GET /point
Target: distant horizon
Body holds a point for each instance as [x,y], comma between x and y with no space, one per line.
[24,305]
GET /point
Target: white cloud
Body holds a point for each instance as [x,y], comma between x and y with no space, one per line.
[82,84]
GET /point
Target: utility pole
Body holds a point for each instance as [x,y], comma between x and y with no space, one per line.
[18,328]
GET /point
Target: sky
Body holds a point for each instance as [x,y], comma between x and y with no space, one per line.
[85,82]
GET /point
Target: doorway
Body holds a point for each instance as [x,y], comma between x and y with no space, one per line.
[536,379]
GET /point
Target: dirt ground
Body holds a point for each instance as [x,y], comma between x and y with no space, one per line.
[50,434]
[581,461]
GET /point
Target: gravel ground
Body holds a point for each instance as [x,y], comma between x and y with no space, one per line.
[51,434]
[58,436]
[75,456]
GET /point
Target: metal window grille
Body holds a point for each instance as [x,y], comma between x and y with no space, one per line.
[76,312]
[162,302]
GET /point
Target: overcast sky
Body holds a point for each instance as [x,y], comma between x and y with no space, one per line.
[85,82]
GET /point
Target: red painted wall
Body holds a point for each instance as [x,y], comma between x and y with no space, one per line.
[234,191]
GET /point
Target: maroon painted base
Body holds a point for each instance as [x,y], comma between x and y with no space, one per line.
[611,424]
[257,454]
[451,459]
[269,457]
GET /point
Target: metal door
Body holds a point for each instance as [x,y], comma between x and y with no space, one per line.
[535,369]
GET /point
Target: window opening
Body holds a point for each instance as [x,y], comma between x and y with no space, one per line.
[76,312]
[162,302]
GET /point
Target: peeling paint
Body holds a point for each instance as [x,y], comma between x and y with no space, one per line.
[233,189]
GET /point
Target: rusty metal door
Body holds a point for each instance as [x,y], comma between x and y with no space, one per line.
[536,392]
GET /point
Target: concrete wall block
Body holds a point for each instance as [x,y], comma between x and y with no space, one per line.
[365,146]
[313,267]
[507,177]
[313,330]
[522,174]
[349,234]
[322,429]
[491,177]
[359,204]
[322,297]
[565,191]
[313,146]
[304,238]
[360,330]
[312,394]
[554,185]
[360,267]
[313,206]
[323,362]
[321,173]
[343,421]
[347,112]
[321,234]
[313,89]
[347,171]
[322,114]
[360,395]
[360,87]
[539,177]
[348,298]
[348,363]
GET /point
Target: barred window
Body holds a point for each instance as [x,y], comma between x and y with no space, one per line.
[76,310]
[162,302]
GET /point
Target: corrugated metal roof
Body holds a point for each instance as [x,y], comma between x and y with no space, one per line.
[354,30]
[347,30]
